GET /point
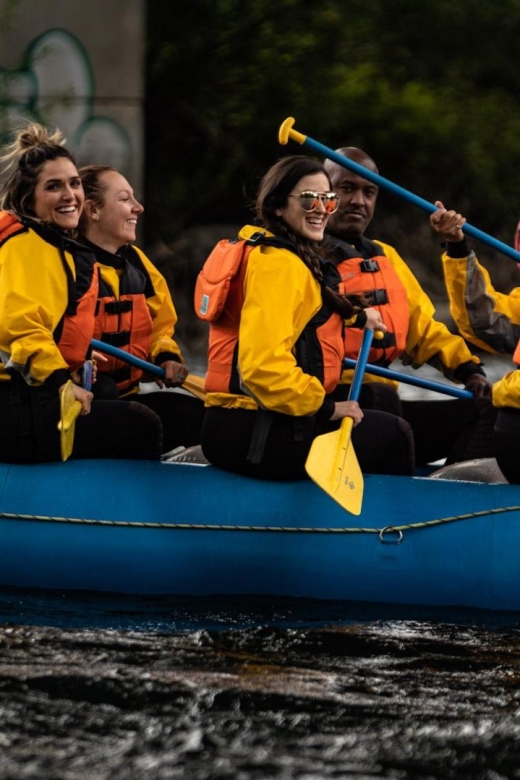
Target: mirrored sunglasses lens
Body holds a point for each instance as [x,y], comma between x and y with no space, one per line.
[331,203]
[309,201]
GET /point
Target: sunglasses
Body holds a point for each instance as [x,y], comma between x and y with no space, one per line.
[310,201]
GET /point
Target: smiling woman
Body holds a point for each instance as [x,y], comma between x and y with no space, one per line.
[135,310]
[42,197]
[276,347]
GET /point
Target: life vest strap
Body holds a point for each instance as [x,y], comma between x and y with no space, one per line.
[118,307]
[262,426]
[121,339]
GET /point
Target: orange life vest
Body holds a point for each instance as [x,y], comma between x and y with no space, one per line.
[125,322]
[75,331]
[367,271]
[219,297]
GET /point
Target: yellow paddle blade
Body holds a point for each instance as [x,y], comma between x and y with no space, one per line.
[332,464]
[69,410]
[195,386]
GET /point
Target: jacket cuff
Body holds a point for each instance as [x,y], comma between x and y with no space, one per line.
[359,320]
[162,357]
[457,249]
[465,370]
[55,380]
[326,410]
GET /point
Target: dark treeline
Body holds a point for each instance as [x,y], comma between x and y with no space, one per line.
[428,87]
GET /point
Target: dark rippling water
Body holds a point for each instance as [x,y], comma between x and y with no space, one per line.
[248,689]
[97,687]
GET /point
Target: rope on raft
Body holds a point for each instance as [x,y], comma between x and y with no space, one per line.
[269,528]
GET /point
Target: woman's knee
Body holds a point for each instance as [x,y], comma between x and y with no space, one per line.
[385,444]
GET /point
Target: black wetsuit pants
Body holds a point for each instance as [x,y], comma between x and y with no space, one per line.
[458,429]
[114,429]
[383,443]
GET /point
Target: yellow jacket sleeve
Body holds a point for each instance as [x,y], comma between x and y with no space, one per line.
[162,311]
[506,392]
[33,299]
[428,340]
[281,296]
[485,317]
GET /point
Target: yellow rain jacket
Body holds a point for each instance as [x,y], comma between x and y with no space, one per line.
[34,295]
[506,392]
[485,317]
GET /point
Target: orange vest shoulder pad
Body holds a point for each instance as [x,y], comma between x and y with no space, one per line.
[221,267]
[9,226]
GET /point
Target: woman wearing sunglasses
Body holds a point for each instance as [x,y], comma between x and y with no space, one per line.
[276,349]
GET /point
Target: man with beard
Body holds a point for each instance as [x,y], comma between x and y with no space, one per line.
[458,429]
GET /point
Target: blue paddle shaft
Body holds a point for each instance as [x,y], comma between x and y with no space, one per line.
[427,384]
[128,358]
[375,178]
[360,366]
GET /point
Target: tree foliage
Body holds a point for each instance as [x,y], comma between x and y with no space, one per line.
[428,88]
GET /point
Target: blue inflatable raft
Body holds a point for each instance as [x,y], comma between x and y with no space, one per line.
[141,527]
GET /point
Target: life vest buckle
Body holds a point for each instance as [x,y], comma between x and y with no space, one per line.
[377,297]
[369,266]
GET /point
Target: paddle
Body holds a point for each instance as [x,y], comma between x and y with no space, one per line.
[332,463]
[194,384]
[286,131]
[70,409]
[417,381]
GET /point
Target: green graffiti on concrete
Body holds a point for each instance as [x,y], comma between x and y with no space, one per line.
[55,85]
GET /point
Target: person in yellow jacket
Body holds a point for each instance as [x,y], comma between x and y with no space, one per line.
[455,430]
[135,311]
[48,297]
[276,349]
[484,316]
[488,319]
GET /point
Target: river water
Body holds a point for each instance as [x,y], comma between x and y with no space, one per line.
[95,687]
